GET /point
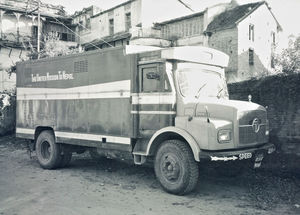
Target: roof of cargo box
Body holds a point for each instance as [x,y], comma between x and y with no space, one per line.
[196,54]
[85,53]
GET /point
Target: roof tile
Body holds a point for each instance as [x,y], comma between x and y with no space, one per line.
[229,18]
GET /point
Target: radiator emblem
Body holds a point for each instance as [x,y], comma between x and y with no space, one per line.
[255,125]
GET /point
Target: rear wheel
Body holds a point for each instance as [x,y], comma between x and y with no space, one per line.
[48,152]
[175,167]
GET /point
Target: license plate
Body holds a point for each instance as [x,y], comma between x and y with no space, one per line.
[244,156]
[259,157]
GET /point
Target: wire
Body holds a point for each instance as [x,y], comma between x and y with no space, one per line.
[10,55]
[186,5]
[75,32]
[99,38]
[28,1]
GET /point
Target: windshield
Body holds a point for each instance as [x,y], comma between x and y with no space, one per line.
[197,81]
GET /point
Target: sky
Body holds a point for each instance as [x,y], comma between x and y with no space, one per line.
[286,11]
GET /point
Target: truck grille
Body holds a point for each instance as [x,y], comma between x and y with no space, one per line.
[252,127]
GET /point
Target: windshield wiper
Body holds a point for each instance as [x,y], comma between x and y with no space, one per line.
[198,93]
[218,95]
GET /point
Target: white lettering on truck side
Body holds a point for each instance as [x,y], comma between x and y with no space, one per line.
[61,75]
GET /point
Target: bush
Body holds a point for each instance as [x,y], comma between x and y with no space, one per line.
[7,112]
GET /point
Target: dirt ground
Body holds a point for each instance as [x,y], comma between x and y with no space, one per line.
[93,187]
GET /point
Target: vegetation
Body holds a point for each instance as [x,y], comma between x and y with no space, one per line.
[51,48]
[54,48]
[288,61]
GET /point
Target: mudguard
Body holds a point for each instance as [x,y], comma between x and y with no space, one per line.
[178,131]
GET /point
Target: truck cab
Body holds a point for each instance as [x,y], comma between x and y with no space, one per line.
[200,113]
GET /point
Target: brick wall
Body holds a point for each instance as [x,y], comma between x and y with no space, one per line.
[282,96]
[227,41]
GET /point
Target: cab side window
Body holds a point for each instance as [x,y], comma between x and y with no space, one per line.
[153,79]
[150,79]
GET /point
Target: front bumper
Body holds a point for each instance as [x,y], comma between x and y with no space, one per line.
[242,154]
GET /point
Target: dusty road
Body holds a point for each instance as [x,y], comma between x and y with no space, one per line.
[112,187]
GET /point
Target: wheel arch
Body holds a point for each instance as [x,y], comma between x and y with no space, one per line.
[40,129]
[169,133]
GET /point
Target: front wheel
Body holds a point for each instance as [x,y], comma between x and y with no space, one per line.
[175,167]
[48,151]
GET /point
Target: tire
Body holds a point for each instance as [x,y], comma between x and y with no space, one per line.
[175,167]
[48,152]
[65,159]
[95,154]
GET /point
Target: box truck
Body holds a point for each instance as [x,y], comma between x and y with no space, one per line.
[169,106]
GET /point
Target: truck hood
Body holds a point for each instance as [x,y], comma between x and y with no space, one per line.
[240,106]
[222,108]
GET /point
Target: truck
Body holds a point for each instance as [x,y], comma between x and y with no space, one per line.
[165,106]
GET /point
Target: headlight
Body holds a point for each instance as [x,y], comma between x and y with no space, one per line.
[224,136]
[267,128]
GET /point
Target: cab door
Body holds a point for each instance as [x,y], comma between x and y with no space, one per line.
[152,103]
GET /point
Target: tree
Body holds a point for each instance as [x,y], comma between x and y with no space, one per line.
[54,48]
[288,61]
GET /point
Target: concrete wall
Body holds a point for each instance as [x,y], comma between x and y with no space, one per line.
[227,42]
[264,24]
[282,96]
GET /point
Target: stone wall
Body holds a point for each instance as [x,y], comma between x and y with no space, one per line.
[282,96]
[227,42]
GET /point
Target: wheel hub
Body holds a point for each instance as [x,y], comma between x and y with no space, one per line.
[46,150]
[170,168]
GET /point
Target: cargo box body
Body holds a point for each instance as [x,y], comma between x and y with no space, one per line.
[83,97]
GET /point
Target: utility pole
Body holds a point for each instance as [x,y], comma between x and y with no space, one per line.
[38,29]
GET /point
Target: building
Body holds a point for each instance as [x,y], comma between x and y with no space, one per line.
[130,21]
[82,21]
[247,33]
[19,32]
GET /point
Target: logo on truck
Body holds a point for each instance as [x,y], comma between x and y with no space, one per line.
[61,75]
[255,125]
